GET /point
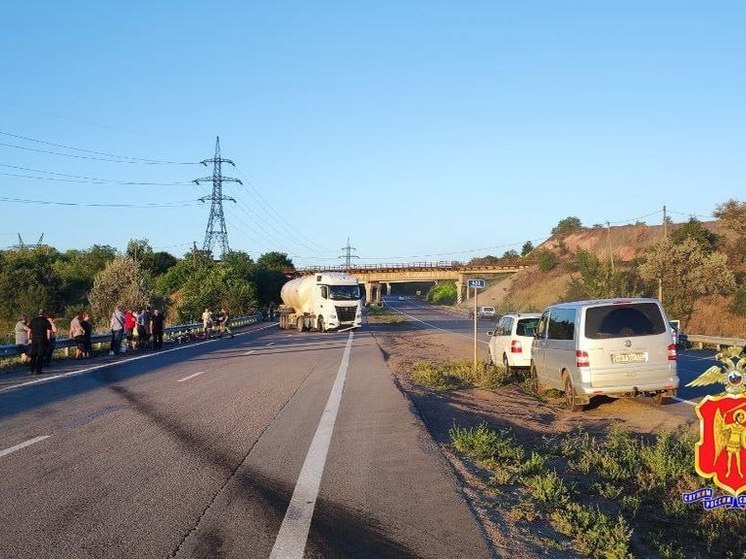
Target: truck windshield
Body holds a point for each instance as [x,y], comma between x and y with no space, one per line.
[344,292]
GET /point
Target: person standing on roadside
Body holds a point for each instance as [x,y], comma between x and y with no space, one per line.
[85,323]
[130,323]
[52,341]
[41,329]
[207,322]
[143,327]
[77,334]
[156,328]
[223,320]
[22,337]
[117,331]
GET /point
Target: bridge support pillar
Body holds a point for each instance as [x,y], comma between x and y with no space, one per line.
[373,293]
[388,289]
[460,287]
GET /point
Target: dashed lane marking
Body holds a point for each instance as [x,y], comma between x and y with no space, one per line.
[293,535]
[191,376]
[22,445]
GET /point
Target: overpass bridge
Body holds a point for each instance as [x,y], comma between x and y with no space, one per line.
[377,277]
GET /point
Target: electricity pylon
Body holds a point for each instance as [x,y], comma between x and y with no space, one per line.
[216,231]
[348,256]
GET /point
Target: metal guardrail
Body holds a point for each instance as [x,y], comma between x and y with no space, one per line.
[718,342]
[170,334]
[412,266]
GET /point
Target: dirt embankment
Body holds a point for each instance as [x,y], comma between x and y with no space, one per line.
[533,290]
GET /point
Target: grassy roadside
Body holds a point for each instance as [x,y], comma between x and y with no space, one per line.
[384,315]
[607,495]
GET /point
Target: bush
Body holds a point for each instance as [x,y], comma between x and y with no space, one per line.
[547,261]
[443,294]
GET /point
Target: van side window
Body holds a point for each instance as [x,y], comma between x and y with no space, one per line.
[507,326]
[561,324]
[626,321]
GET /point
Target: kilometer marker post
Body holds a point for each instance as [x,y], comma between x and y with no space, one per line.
[476,284]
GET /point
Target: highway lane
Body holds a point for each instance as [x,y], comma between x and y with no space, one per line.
[690,363]
[197,453]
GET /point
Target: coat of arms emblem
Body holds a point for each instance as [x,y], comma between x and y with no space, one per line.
[720,453]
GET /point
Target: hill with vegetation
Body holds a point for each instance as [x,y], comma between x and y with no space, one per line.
[700,268]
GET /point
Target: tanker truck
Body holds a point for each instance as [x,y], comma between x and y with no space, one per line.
[323,301]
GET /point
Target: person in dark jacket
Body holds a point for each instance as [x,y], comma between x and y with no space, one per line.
[156,328]
[41,330]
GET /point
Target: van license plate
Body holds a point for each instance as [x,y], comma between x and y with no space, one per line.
[629,357]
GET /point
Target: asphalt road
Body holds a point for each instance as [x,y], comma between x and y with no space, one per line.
[264,445]
[690,363]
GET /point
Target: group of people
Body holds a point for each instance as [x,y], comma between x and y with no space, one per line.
[221,320]
[35,339]
[136,328]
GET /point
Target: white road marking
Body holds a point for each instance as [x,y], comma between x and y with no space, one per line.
[436,327]
[270,344]
[250,352]
[111,364]
[191,376]
[293,534]
[22,445]
[682,400]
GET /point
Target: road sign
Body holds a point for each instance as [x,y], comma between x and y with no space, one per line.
[476,283]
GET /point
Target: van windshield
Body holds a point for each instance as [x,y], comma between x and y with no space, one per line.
[344,292]
[624,321]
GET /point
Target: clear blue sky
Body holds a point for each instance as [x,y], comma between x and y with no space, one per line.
[423,130]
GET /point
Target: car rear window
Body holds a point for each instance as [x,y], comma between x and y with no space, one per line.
[526,327]
[624,321]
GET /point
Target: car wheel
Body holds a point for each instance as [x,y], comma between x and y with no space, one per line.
[490,359]
[571,399]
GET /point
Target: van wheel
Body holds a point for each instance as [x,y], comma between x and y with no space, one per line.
[536,387]
[320,326]
[506,364]
[299,324]
[571,399]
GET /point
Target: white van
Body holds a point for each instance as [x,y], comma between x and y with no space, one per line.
[510,341]
[611,347]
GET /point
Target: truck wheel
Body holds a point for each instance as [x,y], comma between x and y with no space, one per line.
[320,326]
[299,324]
[506,364]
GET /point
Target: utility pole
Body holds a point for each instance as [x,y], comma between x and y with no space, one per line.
[216,231]
[611,254]
[665,236]
[348,256]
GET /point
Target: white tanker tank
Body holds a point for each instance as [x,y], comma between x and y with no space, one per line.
[323,301]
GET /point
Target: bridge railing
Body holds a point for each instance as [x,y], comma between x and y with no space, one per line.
[718,342]
[410,266]
[175,333]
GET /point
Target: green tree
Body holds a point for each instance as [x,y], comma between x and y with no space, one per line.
[28,281]
[123,282]
[693,229]
[732,214]
[598,281]
[269,277]
[547,260]
[528,246]
[443,294]
[567,226]
[510,255]
[156,263]
[687,273]
[77,269]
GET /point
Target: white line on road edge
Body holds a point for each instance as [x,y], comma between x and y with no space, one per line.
[112,363]
[293,534]
[436,327]
[270,344]
[22,445]
[250,352]
[682,400]
[191,376]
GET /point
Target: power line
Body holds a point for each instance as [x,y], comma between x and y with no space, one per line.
[91,158]
[93,152]
[83,204]
[79,178]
